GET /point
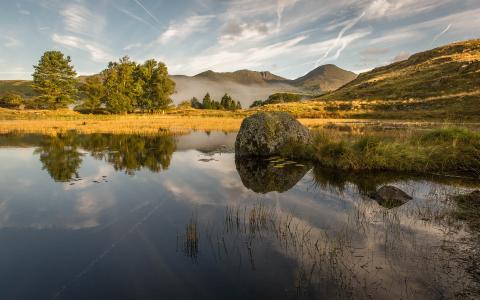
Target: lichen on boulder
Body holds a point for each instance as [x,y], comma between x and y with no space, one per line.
[268,133]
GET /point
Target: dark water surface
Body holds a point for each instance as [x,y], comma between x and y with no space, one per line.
[131,217]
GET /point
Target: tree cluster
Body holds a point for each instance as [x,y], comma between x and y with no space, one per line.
[123,87]
[126,87]
[279,98]
[226,103]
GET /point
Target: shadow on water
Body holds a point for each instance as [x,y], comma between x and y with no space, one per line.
[264,176]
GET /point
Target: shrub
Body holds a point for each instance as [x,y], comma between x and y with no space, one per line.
[11,100]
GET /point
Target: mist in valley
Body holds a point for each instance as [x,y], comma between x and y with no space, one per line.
[188,87]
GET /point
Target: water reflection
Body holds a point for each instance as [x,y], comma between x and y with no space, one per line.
[61,155]
[263,176]
[216,227]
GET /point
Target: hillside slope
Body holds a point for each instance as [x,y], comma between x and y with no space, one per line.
[325,78]
[451,70]
[21,87]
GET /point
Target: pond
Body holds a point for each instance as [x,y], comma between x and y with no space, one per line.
[178,217]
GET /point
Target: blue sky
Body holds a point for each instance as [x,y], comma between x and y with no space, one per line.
[286,37]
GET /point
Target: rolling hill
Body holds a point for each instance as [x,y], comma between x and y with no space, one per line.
[451,70]
[442,84]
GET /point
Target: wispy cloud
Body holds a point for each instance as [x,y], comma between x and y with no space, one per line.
[137,18]
[132,46]
[435,38]
[79,19]
[339,41]
[281,5]
[97,53]
[399,8]
[180,30]
[9,40]
[148,12]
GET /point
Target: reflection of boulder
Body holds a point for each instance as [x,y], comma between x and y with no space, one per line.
[262,176]
[390,196]
[266,134]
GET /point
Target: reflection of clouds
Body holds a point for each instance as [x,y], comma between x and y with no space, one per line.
[88,208]
[88,181]
[184,192]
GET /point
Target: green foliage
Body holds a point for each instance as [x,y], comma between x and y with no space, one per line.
[11,100]
[226,103]
[54,80]
[256,103]
[207,102]
[121,87]
[283,98]
[280,98]
[157,87]
[94,90]
[195,103]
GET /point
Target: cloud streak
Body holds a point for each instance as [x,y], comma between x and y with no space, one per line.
[148,12]
[339,40]
[435,38]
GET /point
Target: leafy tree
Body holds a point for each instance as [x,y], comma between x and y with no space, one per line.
[228,103]
[157,86]
[207,102]
[11,100]
[55,80]
[121,87]
[195,103]
[95,91]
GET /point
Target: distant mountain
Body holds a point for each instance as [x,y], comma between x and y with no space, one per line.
[243,85]
[451,71]
[248,86]
[325,78]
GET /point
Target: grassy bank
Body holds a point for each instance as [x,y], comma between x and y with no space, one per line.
[440,150]
[176,121]
[464,106]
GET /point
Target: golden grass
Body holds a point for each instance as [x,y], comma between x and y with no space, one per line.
[174,121]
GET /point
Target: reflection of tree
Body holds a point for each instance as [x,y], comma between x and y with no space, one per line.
[60,156]
[131,152]
[263,177]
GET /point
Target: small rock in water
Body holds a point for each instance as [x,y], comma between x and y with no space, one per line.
[390,196]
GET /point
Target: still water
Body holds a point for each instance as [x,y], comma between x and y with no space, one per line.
[131,217]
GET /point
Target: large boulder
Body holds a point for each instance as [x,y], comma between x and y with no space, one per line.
[390,196]
[267,133]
